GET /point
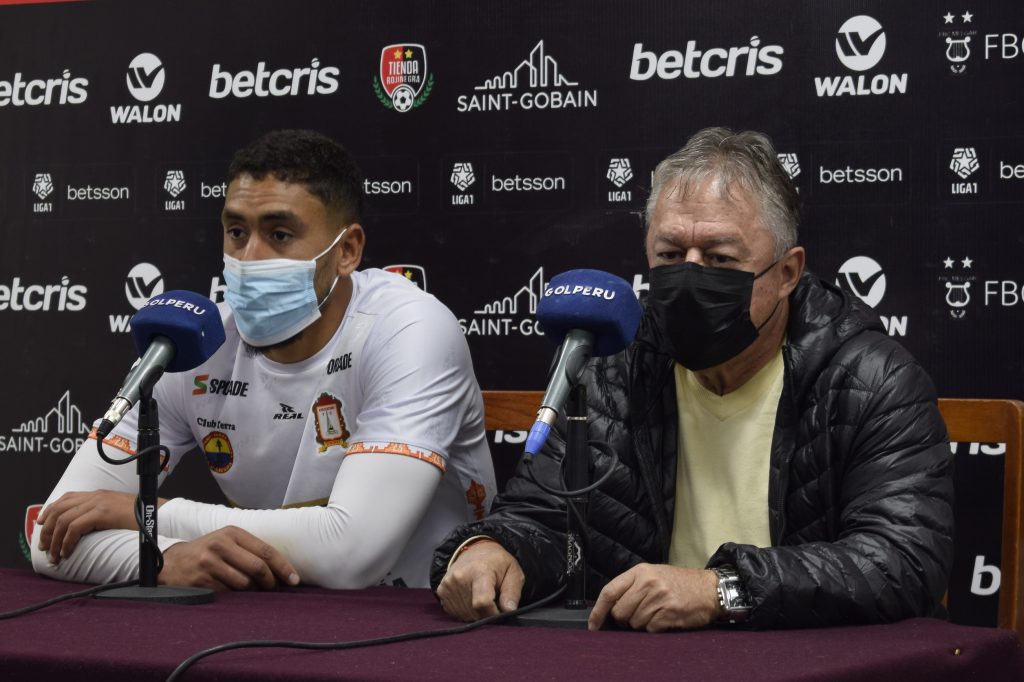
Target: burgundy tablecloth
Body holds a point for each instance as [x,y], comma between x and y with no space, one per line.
[88,639]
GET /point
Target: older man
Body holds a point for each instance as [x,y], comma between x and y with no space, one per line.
[783,461]
[341,416]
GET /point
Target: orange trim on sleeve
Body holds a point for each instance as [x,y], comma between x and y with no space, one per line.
[119,442]
[393,448]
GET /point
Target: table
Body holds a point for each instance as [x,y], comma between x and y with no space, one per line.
[90,639]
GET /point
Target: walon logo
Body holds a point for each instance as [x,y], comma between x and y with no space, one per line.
[145,77]
[860,46]
[144,281]
[863,277]
[145,80]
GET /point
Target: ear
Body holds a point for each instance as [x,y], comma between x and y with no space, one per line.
[350,250]
[791,267]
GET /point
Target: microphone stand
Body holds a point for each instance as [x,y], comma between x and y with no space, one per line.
[576,610]
[148,467]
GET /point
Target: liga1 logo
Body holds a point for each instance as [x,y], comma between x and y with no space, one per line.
[403,83]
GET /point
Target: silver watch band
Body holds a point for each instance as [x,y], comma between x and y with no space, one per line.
[733,598]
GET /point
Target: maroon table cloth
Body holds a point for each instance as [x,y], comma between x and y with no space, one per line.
[90,639]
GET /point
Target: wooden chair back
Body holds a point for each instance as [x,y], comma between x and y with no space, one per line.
[999,421]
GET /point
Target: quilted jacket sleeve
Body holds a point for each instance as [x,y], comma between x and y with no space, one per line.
[888,470]
[527,521]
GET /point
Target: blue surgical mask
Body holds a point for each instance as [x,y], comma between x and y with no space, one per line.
[273,299]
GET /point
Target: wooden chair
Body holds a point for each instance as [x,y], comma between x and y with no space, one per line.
[977,421]
[999,421]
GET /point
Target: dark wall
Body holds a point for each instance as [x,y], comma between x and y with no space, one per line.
[906,145]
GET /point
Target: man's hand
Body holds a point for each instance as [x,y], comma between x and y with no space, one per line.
[471,586]
[657,597]
[74,514]
[227,559]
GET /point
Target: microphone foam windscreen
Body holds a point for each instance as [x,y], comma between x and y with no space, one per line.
[594,301]
[190,320]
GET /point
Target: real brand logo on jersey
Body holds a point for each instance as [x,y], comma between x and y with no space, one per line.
[219,453]
[330,422]
[287,412]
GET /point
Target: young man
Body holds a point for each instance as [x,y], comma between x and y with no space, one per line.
[341,417]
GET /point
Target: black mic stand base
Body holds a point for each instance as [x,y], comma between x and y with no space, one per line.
[161,594]
[557,617]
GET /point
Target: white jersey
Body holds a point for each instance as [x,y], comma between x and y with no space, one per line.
[395,381]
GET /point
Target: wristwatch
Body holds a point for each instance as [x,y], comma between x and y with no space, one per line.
[734,601]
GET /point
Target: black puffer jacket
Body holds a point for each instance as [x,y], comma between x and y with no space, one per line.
[860,490]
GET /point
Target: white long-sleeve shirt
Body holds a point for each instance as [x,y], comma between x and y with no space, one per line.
[354,463]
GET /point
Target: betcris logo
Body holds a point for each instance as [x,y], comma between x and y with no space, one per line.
[19,92]
[61,297]
[269,82]
[752,59]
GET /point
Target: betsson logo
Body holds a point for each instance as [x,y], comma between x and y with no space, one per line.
[312,80]
[750,60]
[63,90]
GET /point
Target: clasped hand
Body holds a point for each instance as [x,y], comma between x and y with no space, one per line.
[229,558]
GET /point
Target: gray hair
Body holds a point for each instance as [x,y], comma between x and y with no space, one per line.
[747,159]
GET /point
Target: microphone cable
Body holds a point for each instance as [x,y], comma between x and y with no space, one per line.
[90,592]
[147,536]
[360,643]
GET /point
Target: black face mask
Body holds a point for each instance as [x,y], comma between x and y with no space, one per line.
[705,312]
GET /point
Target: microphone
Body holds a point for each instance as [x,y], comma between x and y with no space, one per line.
[587,312]
[176,331]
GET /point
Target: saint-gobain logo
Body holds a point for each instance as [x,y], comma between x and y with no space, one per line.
[145,77]
[143,283]
[863,277]
[860,43]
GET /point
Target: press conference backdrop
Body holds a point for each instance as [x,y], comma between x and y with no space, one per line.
[502,144]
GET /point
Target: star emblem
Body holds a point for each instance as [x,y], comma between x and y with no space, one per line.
[397,54]
[408,53]
[948,263]
[966,262]
[948,18]
[967,17]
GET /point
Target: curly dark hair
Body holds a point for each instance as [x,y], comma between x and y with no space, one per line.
[308,158]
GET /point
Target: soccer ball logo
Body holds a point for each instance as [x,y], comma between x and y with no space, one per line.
[964,161]
[174,183]
[42,185]
[619,172]
[463,176]
[791,164]
[403,98]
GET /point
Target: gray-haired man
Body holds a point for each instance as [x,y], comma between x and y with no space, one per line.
[783,461]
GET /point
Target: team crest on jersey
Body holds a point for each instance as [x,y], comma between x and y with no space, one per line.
[404,83]
[476,494]
[330,422]
[219,453]
[414,273]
